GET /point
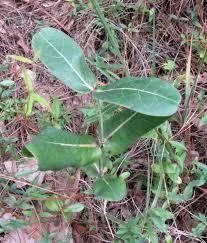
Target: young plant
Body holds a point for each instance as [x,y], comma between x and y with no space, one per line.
[133,229]
[32,97]
[142,104]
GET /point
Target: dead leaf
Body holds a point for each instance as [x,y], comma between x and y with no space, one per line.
[34,230]
[5,217]
[18,236]
[61,229]
[27,171]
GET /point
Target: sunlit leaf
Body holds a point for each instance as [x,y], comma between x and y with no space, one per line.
[74,208]
[203,120]
[159,216]
[149,96]
[7,83]
[54,205]
[64,58]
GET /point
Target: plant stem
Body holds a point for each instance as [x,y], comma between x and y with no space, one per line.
[158,192]
[162,176]
[101,122]
[101,136]
[167,144]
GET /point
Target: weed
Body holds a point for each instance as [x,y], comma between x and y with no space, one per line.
[8,146]
[7,104]
[118,128]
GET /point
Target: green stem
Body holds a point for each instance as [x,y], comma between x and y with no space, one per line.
[101,122]
[101,137]
[161,180]
[158,192]
[167,144]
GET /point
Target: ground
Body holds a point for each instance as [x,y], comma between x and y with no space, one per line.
[162,38]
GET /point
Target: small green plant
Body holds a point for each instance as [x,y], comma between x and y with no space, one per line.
[134,230]
[142,104]
[123,111]
[29,78]
[7,146]
[8,106]
[201,227]
[32,97]
[58,115]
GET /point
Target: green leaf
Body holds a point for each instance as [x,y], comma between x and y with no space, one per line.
[149,96]
[40,99]
[180,146]
[28,213]
[29,78]
[7,83]
[110,188]
[12,224]
[21,59]
[74,208]
[131,231]
[92,113]
[54,205]
[159,216]
[4,67]
[64,58]
[168,239]
[125,175]
[199,230]
[160,212]
[92,170]
[56,108]
[124,128]
[173,171]
[201,166]
[45,214]
[169,65]
[203,120]
[29,105]
[56,149]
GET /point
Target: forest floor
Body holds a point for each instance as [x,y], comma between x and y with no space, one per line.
[162,38]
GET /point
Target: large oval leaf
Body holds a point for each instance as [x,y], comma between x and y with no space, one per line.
[124,128]
[149,96]
[56,149]
[64,58]
[110,188]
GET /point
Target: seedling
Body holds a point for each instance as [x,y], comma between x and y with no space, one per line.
[32,97]
[142,104]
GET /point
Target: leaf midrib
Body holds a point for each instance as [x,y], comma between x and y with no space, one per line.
[91,145]
[139,90]
[119,127]
[113,192]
